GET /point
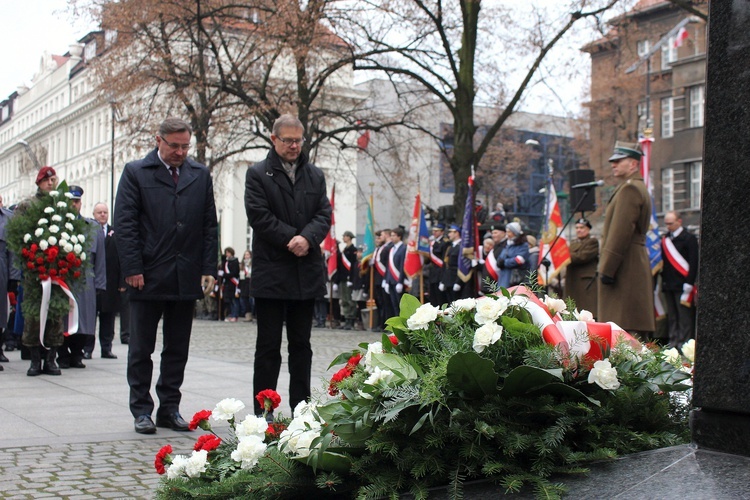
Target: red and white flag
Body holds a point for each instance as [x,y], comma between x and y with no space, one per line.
[680,37]
[554,245]
[329,243]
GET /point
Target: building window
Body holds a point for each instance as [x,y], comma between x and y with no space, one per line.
[90,51]
[110,37]
[643,47]
[643,121]
[667,189]
[695,171]
[697,100]
[667,117]
[668,53]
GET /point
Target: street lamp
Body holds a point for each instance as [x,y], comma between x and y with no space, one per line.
[112,104]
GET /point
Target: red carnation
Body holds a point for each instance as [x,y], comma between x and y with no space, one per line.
[161,458]
[33,248]
[268,399]
[39,260]
[393,339]
[62,263]
[42,270]
[200,419]
[338,377]
[274,430]
[53,272]
[207,442]
[71,257]
[76,274]
[24,252]
[354,360]
[63,272]
[30,265]
[78,263]
[43,277]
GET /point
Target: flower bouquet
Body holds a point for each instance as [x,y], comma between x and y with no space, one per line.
[500,388]
[48,237]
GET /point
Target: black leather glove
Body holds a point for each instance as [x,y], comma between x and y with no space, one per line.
[607,280]
[501,263]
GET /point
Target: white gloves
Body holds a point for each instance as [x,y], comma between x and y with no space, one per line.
[687,288]
[399,288]
[441,287]
[349,284]
[474,262]
[335,287]
[221,273]
[237,294]
[456,287]
[386,287]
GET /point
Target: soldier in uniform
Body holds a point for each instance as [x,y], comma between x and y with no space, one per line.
[450,283]
[626,292]
[438,246]
[347,270]
[580,277]
[395,277]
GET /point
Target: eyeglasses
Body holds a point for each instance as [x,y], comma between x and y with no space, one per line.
[292,142]
[174,145]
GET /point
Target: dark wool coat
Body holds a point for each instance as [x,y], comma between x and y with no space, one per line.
[278,211]
[110,299]
[167,233]
[96,280]
[580,277]
[8,271]
[687,245]
[231,270]
[629,302]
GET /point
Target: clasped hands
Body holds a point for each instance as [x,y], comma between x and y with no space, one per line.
[299,246]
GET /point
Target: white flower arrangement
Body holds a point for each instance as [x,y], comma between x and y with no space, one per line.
[489,309]
[226,408]
[604,375]
[555,305]
[425,314]
[486,335]
[688,350]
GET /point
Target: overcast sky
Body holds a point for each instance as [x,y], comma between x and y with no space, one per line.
[29,28]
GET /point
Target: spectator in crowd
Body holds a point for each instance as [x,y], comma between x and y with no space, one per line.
[533,258]
[231,285]
[9,277]
[498,215]
[380,264]
[678,277]
[247,304]
[514,258]
[580,275]
[165,217]
[72,351]
[287,207]
[625,294]
[487,270]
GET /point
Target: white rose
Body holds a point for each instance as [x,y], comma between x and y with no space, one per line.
[177,468]
[226,408]
[555,305]
[77,248]
[64,236]
[70,216]
[378,375]
[42,222]
[52,240]
[73,238]
[49,210]
[489,309]
[249,450]
[38,232]
[83,256]
[56,218]
[26,237]
[688,350]
[81,238]
[68,247]
[61,204]
[422,317]
[584,315]
[252,426]
[54,228]
[672,356]
[487,335]
[54,193]
[196,464]
[603,375]
[43,245]
[463,305]
[69,195]
[375,347]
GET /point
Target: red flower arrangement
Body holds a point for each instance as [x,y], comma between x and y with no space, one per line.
[159,462]
[274,430]
[208,442]
[343,373]
[200,419]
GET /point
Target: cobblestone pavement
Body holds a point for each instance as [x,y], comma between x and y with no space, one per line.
[72,436]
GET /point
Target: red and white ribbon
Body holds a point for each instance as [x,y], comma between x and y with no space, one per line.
[44,308]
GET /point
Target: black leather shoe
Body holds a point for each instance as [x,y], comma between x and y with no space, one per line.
[86,355]
[125,340]
[108,355]
[172,421]
[76,363]
[63,363]
[3,358]
[144,425]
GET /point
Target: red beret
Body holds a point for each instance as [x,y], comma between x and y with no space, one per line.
[45,172]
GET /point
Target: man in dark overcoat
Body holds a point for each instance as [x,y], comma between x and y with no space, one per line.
[580,274]
[678,276]
[167,239]
[626,295]
[108,301]
[8,273]
[287,207]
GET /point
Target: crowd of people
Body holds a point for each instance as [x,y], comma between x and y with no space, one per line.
[159,261]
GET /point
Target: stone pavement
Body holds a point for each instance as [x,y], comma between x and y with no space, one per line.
[72,436]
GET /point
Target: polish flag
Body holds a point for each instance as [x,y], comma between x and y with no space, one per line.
[681,36]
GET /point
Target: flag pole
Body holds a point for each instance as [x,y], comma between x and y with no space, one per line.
[371,298]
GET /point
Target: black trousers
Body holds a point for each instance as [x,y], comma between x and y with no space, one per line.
[106,333]
[177,325]
[271,315]
[681,319]
[124,317]
[73,346]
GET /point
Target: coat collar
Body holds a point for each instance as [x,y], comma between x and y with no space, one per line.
[275,170]
[188,171]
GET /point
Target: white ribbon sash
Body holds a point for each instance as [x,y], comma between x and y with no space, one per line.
[44,308]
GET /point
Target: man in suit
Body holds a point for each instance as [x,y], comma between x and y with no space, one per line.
[395,275]
[165,217]
[108,301]
[680,257]
[289,211]
[625,294]
[580,275]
